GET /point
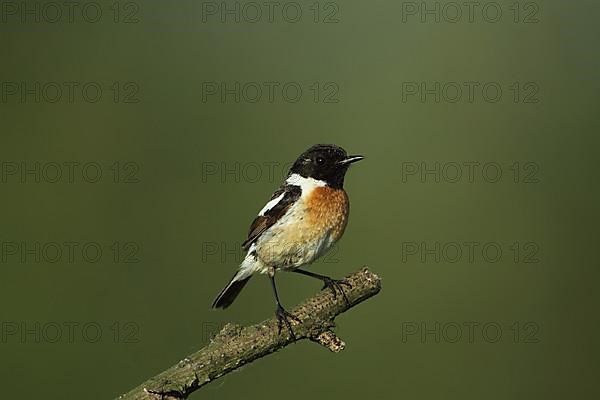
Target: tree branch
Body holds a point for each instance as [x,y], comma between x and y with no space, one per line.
[235,346]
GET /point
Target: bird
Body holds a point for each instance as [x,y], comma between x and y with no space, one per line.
[303,219]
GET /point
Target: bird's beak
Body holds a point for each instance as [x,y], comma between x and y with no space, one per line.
[350,160]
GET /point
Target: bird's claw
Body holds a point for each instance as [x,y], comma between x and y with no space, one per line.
[336,284]
[284,316]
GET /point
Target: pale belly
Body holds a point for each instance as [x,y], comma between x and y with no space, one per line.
[304,234]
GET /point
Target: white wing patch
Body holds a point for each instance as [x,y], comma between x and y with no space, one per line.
[271,204]
[305,184]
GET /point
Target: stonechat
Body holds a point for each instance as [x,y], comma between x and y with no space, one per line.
[305,217]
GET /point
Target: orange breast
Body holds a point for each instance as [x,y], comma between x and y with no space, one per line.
[328,210]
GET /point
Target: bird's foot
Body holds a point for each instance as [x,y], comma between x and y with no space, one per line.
[284,317]
[336,284]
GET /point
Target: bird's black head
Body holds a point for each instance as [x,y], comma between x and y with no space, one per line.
[325,162]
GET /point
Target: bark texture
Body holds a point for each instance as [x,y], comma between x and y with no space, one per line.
[235,346]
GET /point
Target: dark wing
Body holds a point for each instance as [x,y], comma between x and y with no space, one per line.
[289,194]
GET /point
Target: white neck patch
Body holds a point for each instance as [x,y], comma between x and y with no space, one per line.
[306,184]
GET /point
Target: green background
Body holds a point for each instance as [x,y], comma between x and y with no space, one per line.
[184,219]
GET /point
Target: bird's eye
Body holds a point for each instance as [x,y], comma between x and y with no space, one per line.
[320,161]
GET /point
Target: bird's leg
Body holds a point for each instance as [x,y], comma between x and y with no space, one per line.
[280,312]
[328,282]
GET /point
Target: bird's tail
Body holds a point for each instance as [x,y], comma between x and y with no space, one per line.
[231,291]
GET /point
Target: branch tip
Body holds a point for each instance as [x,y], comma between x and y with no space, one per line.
[330,340]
